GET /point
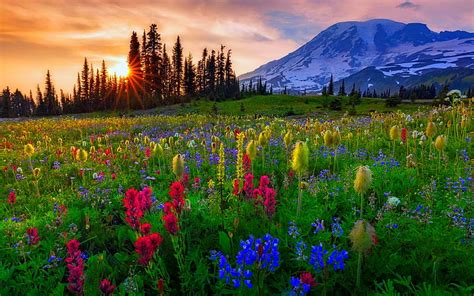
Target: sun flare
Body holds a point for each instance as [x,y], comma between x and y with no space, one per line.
[120,68]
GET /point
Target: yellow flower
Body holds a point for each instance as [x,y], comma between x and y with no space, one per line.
[178,165]
[29,150]
[221,165]
[92,150]
[36,172]
[263,139]
[328,138]
[362,236]
[394,133]
[430,129]
[287,139]
[251,149]
[363,179]
[440,143]
[300,159]
[336,137]
[82,155]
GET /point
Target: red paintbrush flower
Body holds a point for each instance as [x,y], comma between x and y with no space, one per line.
[33,237]
[177,194]
[106,287]
[12,197]
[146,246]
[145,228]
[171,223]
[236,190]
[308,279]
[75,266]
[246,163]
[161,286]
[404,135]
[248,185]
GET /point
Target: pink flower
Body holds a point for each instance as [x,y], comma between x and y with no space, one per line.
[248,185]
[75,266]
[106,287]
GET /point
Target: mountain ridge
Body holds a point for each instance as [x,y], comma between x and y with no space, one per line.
[345,48]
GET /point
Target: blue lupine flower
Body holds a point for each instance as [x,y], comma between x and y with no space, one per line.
[336,227]
[293,229]
[317,257]
[318,226]
[336,259]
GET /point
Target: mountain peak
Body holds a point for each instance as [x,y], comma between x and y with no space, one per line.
[348,47]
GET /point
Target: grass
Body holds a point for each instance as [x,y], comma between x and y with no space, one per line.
[282,105]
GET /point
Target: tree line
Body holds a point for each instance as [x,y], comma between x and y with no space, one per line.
[157,76]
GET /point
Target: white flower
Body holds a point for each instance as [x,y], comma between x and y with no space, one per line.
[393,201]
[423,138]
[19,170]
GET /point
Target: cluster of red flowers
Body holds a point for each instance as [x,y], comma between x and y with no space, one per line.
[171,222]
[266,195]
[177,195]
[307,278]
[147,245]
[136,202]
[106,287]
[12,197]
[75,265]
[404,135]
[174,208]
[248,185]
[32,234]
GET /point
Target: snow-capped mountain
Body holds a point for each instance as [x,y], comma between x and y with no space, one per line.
[394,50]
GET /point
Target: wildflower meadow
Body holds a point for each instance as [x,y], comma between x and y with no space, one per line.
[227,205]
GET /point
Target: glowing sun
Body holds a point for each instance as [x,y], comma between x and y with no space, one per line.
[120,68]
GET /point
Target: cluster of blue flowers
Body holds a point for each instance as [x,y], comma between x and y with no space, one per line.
[298,287]
[461,185]
[254,253]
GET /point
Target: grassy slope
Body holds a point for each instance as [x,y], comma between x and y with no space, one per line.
[280,105]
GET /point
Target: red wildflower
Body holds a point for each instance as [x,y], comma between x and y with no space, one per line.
[161,286]
[107,151]
[236,190]
[134,210]
[404,135]
[75,266]
[146,246]
[106,287]
[12,197]
[185,180]
[248,185]
[148,152]
[145,228]
[307,278]
[136,203]
[269,201]
[177,194]
[171,223]
[246,163]
[145,198]
[33,237]
[114,176]
[167,207]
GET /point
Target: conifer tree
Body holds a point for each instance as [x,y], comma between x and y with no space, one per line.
[331,87]
[178,66]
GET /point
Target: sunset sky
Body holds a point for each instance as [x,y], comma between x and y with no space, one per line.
[37,35]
